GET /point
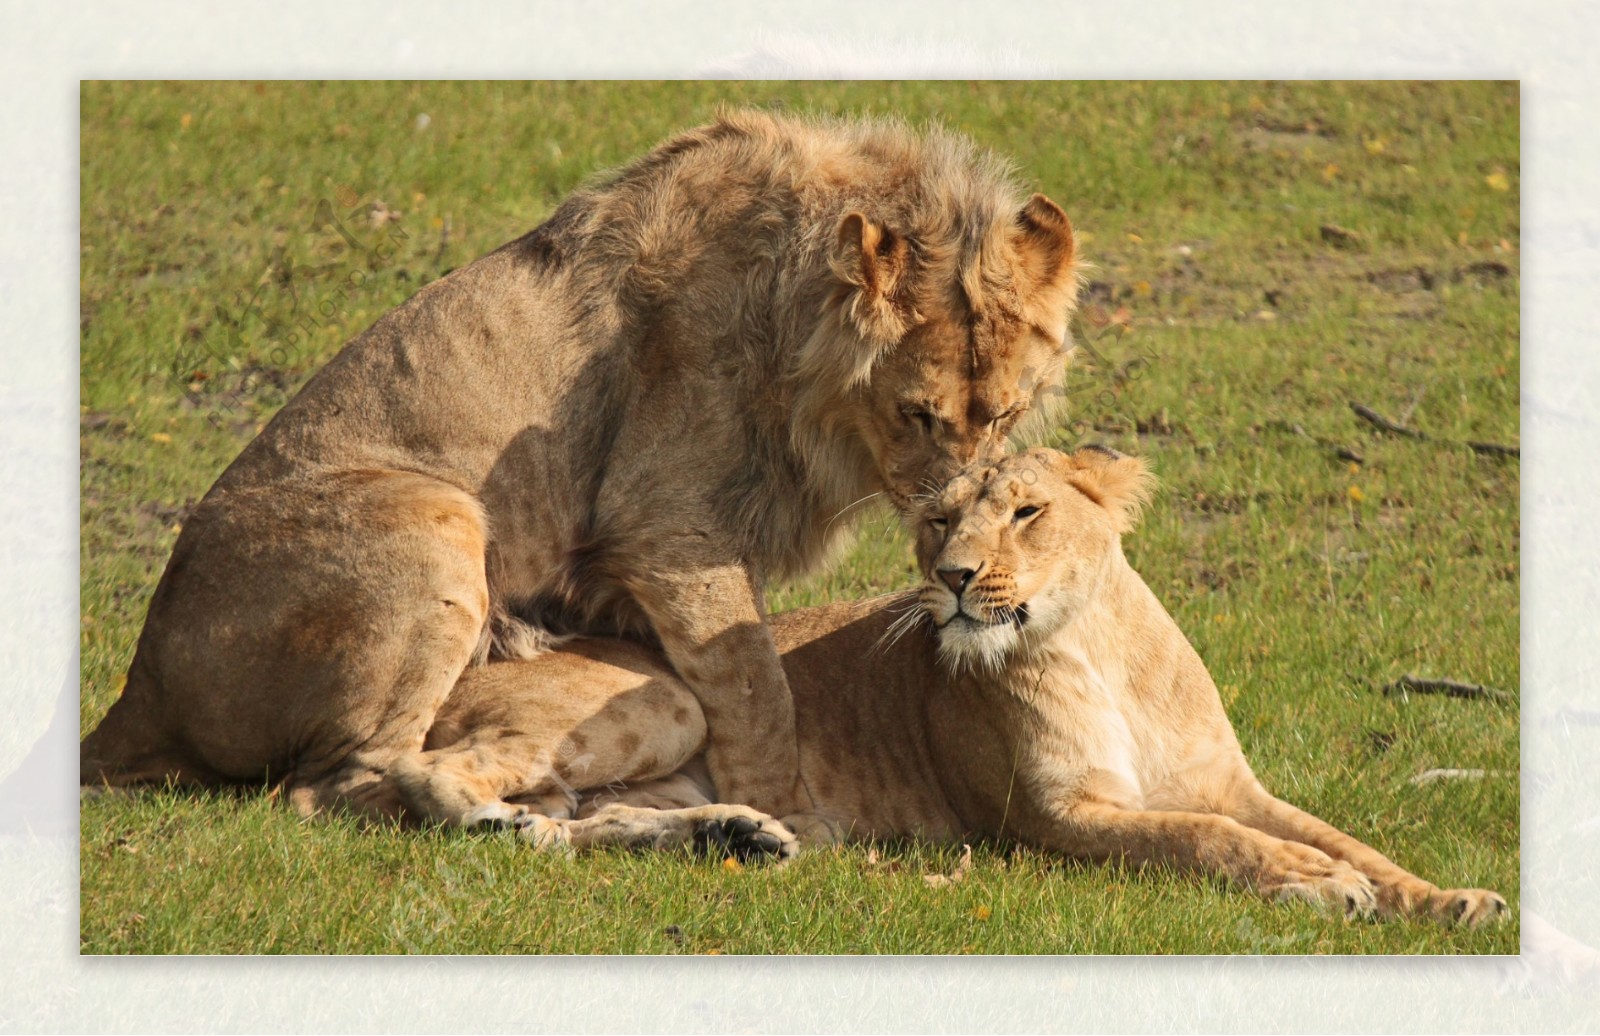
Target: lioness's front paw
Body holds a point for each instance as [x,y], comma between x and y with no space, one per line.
[1470,907]
[1324,881]
[743,834]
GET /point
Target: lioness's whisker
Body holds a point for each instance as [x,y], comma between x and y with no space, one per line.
[897,629]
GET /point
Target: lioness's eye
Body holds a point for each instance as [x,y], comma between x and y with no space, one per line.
[938,524]
[1025,512]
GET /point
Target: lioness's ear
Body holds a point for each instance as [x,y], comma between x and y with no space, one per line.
[1044,244]
[873,259]
[1120,484]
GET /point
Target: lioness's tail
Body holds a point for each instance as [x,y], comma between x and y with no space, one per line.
[133,744]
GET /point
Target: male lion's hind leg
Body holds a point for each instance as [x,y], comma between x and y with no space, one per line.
[339,635]
[305,631]
[717,828]
[1210,844]
[1399,892]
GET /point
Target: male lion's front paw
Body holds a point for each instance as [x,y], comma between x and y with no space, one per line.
[743,834]
[1470,907]
[1320,879]
[542,832]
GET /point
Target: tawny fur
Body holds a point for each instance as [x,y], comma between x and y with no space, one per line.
[1052,701]
[689,380]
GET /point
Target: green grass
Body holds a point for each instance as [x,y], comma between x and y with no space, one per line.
[1224,336]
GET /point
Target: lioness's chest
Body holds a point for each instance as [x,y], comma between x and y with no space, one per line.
[1079,730]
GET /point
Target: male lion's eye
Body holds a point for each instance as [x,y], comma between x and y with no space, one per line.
[1004,422]
[1025,512]
[920,416]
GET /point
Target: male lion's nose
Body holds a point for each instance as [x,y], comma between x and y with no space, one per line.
[956,578]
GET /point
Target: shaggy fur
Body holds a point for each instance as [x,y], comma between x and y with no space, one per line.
[1057,704]
[689,380]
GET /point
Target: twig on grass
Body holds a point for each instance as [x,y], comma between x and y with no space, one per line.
[1448,688]
[1451,774]
[1338,449]
[1377,420]
[1412,407]
[444,240]
[1371,416]
[1495,449]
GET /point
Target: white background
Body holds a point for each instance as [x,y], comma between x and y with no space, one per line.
[1549,46]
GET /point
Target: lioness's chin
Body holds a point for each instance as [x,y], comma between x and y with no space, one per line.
[968,643]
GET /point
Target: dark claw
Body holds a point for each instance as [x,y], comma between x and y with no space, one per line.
[709,838]
[739,837]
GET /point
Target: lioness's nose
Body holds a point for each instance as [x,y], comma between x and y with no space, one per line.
[956,578]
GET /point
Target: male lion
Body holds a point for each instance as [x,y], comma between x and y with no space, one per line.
[1056,704]
[687,381]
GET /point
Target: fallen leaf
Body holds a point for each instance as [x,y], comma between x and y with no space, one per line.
[731,864]
[1356,494]
[380,213]
[981,912]
[955,877]
[161,437]
[1497,181]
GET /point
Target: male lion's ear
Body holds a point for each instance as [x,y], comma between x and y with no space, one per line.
[872,258]
[1119,483]
[1045,244]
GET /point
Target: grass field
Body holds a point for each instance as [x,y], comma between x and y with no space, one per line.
[1266,254]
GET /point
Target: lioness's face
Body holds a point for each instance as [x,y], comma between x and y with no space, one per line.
[1012,551]
[951,393]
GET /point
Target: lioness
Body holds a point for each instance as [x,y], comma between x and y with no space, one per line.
[687,381]
[1056,703]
